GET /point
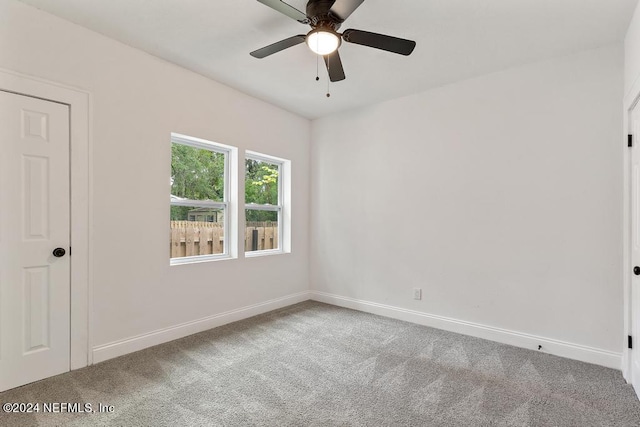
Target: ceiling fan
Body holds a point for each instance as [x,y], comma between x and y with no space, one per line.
[325,18]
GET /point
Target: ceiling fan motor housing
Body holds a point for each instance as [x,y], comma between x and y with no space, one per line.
[319,15]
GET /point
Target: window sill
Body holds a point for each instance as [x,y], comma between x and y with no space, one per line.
[256,254]
[198,259]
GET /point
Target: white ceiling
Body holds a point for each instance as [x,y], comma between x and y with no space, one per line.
[456,39]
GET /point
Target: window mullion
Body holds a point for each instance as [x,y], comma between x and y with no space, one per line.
[200,204]
[256,207]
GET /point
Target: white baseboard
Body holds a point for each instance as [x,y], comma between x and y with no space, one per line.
[517,339]
[160,336]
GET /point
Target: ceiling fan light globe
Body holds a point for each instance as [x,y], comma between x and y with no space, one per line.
[323,42]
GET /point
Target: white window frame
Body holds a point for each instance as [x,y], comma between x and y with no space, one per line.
[230,154]
[280,208]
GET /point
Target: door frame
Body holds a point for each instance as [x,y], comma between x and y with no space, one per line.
[631,100]
[79,102]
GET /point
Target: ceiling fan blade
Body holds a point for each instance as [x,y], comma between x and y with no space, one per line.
[334,66]
[380,41]
[344,8]
[286,9]
[278,46]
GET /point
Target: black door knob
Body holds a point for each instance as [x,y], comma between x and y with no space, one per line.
[636,270]
[59,252]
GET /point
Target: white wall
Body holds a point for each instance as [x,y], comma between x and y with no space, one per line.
[632,53]
[137,101]
[499,196]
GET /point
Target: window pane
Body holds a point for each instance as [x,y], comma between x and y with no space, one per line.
[196,231]
[262,230]
[261,182]
[196,173]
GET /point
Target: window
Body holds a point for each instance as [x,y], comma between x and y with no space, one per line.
[264,204]
[200,193]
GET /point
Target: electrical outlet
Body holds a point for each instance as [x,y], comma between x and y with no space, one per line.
[417,293]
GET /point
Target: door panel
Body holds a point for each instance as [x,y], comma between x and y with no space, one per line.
[36,308]
[34,220]
[635,246]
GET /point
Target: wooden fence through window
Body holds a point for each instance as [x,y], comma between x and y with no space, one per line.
[192,238]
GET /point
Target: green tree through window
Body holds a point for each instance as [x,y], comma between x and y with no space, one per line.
[196,174]
[261,187]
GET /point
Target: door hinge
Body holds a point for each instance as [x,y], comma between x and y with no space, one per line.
[629,140]
[629,342]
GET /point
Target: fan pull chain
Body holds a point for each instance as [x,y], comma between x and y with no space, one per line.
[329,75]
[317,67]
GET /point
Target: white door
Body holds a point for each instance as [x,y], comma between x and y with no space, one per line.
[635,248]
[34,221]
